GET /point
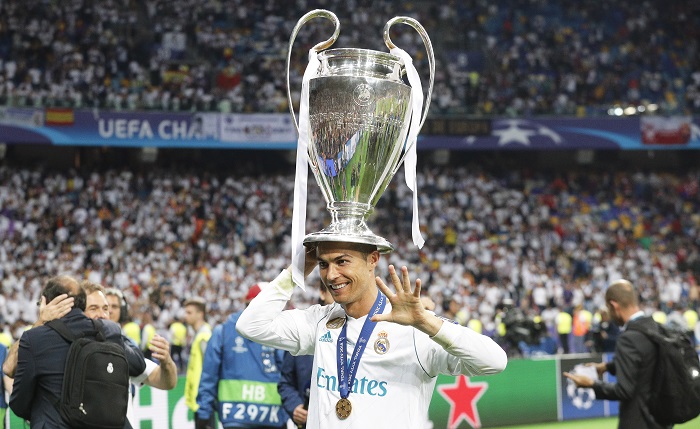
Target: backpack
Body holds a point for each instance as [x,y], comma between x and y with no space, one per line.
[95,390]
[675,394]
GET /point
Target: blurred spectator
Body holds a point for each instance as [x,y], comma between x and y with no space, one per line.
[582,321]
[195,317]
[133,230]
[604,333]
[564,323]
[178,339]
[3,402]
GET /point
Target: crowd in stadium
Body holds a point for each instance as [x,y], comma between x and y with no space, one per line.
[521,254]
[542,241]
[493,57]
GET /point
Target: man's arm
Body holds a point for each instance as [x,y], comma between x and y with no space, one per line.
[134,357]
[628,361]
[264,319]
[468,352]
[57,308]
[203,346]
[7,382]
[24,386]
[10,365]
[163,377]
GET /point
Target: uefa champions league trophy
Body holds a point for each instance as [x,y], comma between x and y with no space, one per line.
[358,121]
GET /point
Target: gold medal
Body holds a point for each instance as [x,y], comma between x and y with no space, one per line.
[343,408]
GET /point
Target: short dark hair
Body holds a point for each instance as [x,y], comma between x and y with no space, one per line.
[363,248]
[197,302]
[64,284]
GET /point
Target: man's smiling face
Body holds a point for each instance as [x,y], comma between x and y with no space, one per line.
[347,270]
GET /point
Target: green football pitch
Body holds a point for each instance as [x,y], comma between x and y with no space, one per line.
[610,423]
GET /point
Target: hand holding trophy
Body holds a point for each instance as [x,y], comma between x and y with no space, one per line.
[357,118]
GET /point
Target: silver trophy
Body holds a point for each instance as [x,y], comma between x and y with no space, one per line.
[359,115]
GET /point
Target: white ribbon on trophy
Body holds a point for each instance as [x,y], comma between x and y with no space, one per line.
[302,175]
[411,158]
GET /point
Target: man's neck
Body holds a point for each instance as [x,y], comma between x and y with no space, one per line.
[628,313]
[197,325]
[362,306]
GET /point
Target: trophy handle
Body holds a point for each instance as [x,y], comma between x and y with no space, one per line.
[316,13]
[428,47]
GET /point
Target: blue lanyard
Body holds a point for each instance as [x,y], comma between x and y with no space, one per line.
[346,378]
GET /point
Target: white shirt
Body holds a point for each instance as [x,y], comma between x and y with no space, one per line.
[136,383]
[391,389]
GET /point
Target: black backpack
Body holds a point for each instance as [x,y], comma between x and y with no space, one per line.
[675,394]
[95,380]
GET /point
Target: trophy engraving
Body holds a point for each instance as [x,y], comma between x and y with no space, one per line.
[364,94]
[355,124]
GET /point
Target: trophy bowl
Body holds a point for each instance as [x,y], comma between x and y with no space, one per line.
[357,114]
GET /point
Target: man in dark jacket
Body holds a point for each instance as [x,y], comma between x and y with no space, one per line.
[633,364]
[295,385]
[42,357]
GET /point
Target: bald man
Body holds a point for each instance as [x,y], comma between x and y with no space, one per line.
[633,364]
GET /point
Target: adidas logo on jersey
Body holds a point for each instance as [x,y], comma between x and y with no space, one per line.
[326,338]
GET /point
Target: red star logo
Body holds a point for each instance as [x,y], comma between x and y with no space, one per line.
[462,397]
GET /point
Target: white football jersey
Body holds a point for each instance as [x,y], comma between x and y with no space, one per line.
[391,387]
[398,368]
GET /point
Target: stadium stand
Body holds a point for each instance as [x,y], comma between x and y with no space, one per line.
[499,57]
[492,236]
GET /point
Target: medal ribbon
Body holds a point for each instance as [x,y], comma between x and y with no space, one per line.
[346,372]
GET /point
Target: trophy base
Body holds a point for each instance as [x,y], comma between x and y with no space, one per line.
[349,232]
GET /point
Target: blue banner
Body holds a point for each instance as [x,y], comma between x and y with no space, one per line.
[61,126]
[572,133]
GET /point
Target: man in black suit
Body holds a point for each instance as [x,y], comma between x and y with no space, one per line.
[633,364]
[42,355]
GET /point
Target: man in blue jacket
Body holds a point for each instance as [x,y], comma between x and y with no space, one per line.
[239,379]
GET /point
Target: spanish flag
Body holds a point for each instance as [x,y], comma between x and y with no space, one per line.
[59,116]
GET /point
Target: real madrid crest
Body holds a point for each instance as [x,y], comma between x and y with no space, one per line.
[335,323]
[381,346]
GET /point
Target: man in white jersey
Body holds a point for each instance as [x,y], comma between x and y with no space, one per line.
[377,354]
